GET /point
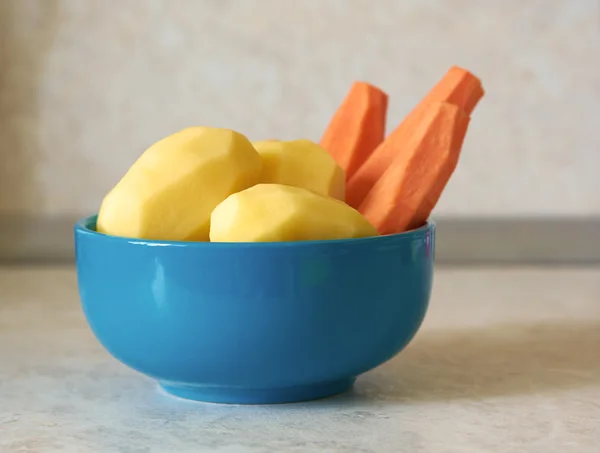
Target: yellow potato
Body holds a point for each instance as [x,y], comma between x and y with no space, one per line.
[276,212]
[171,190]
[301,163]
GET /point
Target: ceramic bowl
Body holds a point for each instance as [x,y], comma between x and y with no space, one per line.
[254,323]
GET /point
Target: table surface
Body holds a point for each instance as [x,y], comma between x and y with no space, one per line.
[508,360]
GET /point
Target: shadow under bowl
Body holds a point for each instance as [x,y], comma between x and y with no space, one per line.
[254,323]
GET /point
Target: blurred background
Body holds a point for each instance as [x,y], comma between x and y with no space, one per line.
[86,86]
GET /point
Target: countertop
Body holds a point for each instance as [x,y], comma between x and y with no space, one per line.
[508,360]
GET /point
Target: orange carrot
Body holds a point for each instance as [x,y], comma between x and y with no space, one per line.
[425,159]
[458,86]
[357,127]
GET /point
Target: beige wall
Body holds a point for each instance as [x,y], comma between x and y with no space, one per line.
[87,85]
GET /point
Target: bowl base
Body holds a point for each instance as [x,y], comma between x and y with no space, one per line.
[241,395]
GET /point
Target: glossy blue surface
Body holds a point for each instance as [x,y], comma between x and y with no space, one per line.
[259,322]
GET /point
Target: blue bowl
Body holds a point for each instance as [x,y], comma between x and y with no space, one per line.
[254,323]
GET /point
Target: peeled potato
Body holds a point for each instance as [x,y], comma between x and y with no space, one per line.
[276,212]
[301,163]
[171,190]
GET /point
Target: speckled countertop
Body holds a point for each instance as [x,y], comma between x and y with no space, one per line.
[508,361]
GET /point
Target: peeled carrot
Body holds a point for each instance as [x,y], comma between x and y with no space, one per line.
[458,86]
[425,159]
[357,127]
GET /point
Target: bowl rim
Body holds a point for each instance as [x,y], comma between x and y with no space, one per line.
[85,227]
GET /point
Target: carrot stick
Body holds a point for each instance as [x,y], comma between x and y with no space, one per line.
[458,86]
[425,159]
[357,127]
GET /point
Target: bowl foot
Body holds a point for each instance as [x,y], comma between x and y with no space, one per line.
[241,395]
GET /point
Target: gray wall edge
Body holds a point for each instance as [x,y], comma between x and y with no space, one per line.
[460,241]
